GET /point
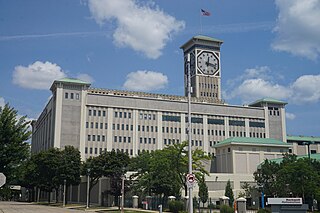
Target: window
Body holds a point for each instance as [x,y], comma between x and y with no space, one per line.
[216,121]
[97,125]
[154,141]
[89,137]
[120,139]
[141,140]
[129,139]
[103,138]
[101,125]
[98,137]
[124,139]
[95,150]
[71,95]
[145,140]
[115,114]
[94,112]
[87,124]
[91,125]
[99,113]
[129,114]
[90,150]
[103,113]
[171,118]
[124,115]
[120,114]
[236,123]
[115,138]
[90,112]
[66,95]
[86,150]
[93,138]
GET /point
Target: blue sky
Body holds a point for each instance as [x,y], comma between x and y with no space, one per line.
[271,49]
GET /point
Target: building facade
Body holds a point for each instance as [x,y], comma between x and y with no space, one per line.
[95,119]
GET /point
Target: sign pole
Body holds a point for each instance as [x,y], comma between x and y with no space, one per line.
[189,132]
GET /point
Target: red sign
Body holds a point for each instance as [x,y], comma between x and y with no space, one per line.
[191,178]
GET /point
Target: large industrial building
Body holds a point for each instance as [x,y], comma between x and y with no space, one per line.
[95,119]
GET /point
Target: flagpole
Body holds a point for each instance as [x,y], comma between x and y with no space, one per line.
[200,23]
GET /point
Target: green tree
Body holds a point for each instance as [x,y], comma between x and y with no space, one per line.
[229,193]
[203,191]
[163,172]
[14,150]
[266,177]
[109,164]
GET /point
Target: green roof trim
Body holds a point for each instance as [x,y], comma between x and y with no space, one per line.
[202,37]
[72,80]
[252,141]
[279,160]
[302,138]
[268,100]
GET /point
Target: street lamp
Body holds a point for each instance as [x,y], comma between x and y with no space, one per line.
[64,192]
[122,193]
[88,188]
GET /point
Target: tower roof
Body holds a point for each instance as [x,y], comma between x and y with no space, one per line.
[263,101]
[200,39]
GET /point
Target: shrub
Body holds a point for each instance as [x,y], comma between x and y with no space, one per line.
[176,206]
[264,211]
[226,209]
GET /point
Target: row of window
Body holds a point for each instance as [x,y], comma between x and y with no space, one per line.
[147,128]
[143,116]
[274,111]
[72,95]
[170,141]
[147,140]
[122,114]
[121,139]
[97,138]
[209,86]
[208,94]
[96,112]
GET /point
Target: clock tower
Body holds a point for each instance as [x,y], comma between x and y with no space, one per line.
[205,67]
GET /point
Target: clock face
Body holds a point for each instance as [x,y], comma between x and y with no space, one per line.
[208,63]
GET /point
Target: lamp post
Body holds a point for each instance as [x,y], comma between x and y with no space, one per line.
[64,192]
[122,193]
[189,132]
[88,188]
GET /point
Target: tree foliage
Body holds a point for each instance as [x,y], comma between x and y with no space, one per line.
[48,169]
[203,191]
[293,176]
[14,150]
[109,164]
[163,172]
[229,193]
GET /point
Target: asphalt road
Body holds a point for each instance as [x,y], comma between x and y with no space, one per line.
[17,207]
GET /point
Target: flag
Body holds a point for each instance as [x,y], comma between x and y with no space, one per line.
[205,13]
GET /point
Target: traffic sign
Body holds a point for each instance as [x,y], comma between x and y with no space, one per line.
[2,179]
[191,178]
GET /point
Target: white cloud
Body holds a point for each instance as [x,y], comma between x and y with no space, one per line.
[303,90]
[306,89]
[85,77]
[253,89]
[145,81]
[298,28]
[38,75]
[290,116]
[140,26]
